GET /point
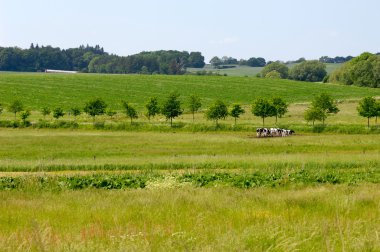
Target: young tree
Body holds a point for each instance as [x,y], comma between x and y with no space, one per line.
[194,104]
[58,112]
[367,108]
[75,111]
[263,108]
[130,111]
[172,107]
[236,111]
[45,111]
[24,115]
[313,114]
[326,104]
[377,111]
[280,107]
[15,107]
[152,108]
[110,112]
[217,111]
[95,107]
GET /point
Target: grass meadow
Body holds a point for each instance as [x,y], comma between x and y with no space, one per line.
[149,187]
[251,71]
[37,90]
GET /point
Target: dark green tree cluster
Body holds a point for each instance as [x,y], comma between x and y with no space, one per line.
[363,71]
[217,62]
[278,67]
[39,58]
[310,70]
[158,62]
[306,70]
[95,60]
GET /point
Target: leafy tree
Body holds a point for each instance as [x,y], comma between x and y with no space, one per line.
[276,66]
[1,109]
[24,115]
[367,108]
[95,107]
[216,62]
[172,107]
[236,111]
[58,112]
[363,70]
[263,108]
[45,111]
[196,60]
[15,107]
[326,104]
[255,62]
[194,104]
[75,111]
[110,112]
[312,71]
[130,111]
[152,108]
[377,110]
[273,75]
[280,107]
[314,114]
[217,111]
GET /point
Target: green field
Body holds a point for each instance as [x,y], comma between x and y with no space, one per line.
[38,90]
[147,186]
[316,191]
[250,71]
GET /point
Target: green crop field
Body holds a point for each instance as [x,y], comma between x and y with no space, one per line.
[251,71]
[38,90]
[147,186]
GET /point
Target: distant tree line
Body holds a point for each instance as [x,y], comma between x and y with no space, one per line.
[223,62]
[96,60]
[38,58]
[158,62]
[338,59]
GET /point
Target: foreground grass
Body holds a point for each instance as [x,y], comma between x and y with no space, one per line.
[324,218]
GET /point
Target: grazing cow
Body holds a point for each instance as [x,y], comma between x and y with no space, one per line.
[262,132]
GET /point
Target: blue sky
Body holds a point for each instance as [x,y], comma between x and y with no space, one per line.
[273,29]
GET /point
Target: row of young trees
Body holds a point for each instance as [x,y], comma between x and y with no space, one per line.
[321,107]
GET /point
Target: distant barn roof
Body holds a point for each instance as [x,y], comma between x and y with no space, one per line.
[60,71]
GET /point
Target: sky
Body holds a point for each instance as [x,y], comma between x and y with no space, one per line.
[273,29]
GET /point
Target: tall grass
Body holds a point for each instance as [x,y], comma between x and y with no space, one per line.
[324,218]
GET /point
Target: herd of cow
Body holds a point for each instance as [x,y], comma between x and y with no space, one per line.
[273,132]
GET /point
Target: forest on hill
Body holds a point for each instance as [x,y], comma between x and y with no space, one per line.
[96,60]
